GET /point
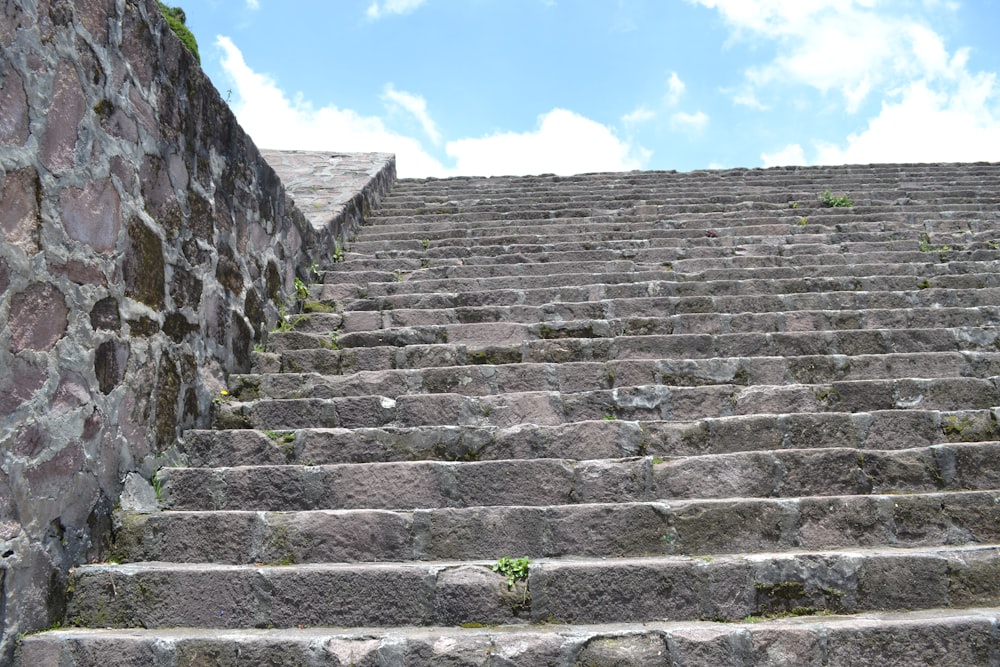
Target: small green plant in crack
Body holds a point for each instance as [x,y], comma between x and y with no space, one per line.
[515,569]
[793,204]
[301,290]
[338,252]
[830,200]
[286,323]
[157,484]
[923,284]
[426,243]
[828,395]
[803,221]
[280,436]
[927,246]
[609,418]
[314,270]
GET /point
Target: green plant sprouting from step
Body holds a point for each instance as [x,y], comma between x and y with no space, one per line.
[515,569]
[301,290]
[927,246]
[830,200]
[338,252]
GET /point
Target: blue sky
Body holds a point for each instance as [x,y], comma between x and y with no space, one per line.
[491,87]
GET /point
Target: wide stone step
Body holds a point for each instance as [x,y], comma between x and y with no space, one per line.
[355,265]
[651,324]
[866,307]
[888,429]
[484,380]
[504,276]
[946,638]
[849,343]
[955,228]
[597,261]
[664,283]
[819,293]
[161,595]
[787,235]
[598,530]
[746,219]
[561,320]
[537,482]
[639,249]
[643,402]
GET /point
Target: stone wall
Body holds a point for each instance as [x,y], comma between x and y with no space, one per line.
[147,248]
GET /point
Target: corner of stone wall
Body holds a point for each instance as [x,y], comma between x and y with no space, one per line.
[147,248]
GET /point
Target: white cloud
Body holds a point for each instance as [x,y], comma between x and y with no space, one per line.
[692,123]
[253,4]
[640,114]
[854,47]
[675,88]
[415,105]
[920,124]
[563,143]
[275,121]
[789,155]
[377,11]
[928,126]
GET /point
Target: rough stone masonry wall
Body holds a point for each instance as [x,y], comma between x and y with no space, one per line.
[146,249]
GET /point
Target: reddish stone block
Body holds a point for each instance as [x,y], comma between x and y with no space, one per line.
[19,218]
[37,318]
[63,119]
[92,215]
[13,109]
[25,378]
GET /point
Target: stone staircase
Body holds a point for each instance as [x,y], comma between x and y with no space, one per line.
[726,424]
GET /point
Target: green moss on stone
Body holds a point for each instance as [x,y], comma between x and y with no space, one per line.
[176,18]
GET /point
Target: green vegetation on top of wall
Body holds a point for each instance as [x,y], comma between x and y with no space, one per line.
[175,19]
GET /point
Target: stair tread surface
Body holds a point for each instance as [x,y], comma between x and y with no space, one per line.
[647,418]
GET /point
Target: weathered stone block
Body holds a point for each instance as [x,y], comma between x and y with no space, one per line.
[92,215]
[63,118]
[20,193]
[38,318]
[110,363]
[143,265]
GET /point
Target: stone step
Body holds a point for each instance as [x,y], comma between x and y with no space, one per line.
[509,276]
[427,330]
[486,380]
[749,210]
[824,292]
[539,482]
[850,342]
[946,638]
[883,429]
[789,236]
[590,530]
[638,249]
[665,283]
[560,320]
[386,312]
[642,402]
[729,588]
[356,267]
